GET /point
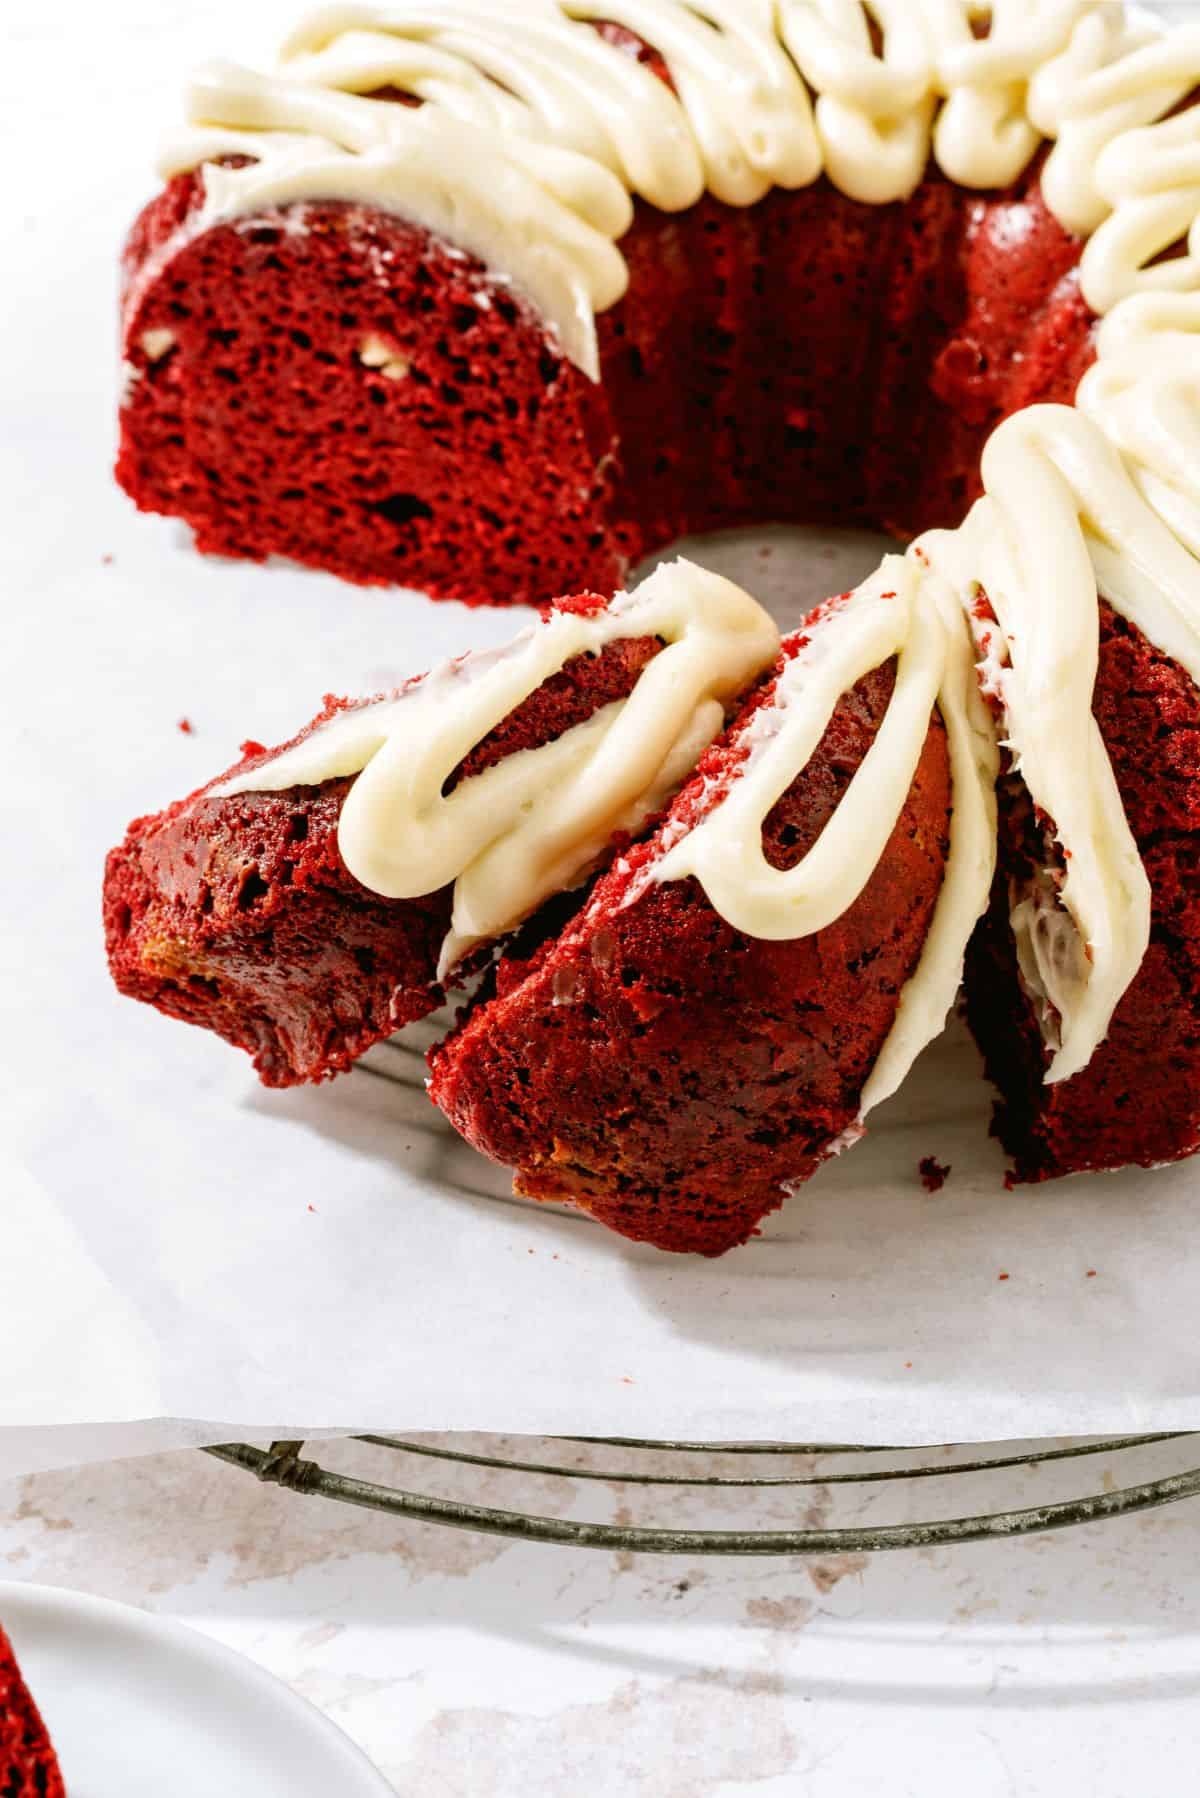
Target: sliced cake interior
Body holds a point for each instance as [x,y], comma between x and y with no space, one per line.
[28,1764]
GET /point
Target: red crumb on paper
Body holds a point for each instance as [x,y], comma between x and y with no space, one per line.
[186,726]
[312,1208]
[626,1379]
[107,561]
[934,1173]
[908,1365]
[1091,1273]
[1002,1276]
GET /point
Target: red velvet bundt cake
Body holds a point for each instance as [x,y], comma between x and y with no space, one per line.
[28,1764]
[378,320]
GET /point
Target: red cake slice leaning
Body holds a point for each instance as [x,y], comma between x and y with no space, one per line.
[713,1024]
[28,1764]
[1083,977]
[236,908]
[1138,1098]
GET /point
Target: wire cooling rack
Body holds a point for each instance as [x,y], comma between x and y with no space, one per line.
[820,1498]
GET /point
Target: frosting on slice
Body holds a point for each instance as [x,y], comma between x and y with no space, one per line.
[1144,393]
[848,637]
[907,611]
[1054,489]
[929,994]
[533,823]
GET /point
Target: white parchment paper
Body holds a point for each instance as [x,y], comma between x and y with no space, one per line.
[178,1243]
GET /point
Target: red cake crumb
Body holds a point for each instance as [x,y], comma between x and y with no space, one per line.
[765,363]
[1138,1100]
[934,1173]
[185,725]
[28,1764]
[238,913]
[655,1067]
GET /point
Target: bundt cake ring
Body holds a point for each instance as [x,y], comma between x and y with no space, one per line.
[400,341]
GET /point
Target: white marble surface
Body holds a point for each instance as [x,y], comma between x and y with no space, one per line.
[469,1668]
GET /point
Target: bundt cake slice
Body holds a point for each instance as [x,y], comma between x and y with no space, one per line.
[1138,1098]
[289,907]
[1083,978]
[28,1764]
[744,985]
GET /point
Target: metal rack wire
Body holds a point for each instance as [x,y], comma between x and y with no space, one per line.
[713,1471]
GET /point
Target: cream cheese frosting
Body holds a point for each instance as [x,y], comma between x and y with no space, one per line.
[532,824]
[906,611]
[847,639]
[534,131]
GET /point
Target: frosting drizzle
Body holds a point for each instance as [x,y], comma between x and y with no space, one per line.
[906,611]
[533,130]
[532,824]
